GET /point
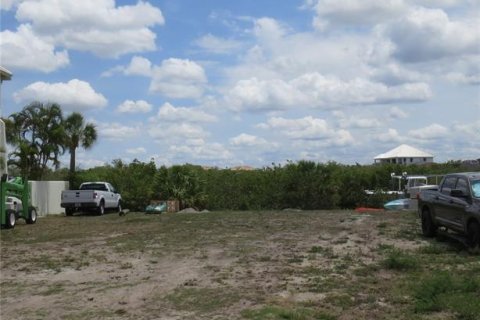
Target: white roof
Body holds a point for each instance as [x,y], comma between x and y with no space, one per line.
[404,151]
[5,74]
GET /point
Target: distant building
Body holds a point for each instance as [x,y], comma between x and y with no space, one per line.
[5,74]
[405,154]
[242,168]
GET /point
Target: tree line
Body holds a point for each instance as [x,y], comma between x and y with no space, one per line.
[40,134]
[304,185]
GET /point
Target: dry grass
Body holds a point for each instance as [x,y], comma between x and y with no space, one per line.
[233,265]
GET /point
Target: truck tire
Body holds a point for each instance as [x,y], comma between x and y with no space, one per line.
[119,206]
[473,235]
[69,212]
[32,215]
[429,229]
[101,208]
[11,219]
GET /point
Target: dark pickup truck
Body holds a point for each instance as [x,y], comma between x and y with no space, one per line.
[454,206]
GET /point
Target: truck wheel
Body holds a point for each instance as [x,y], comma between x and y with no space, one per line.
[473,235]
[119,207]
[32,216]
[101,208]
[69,212]
[429,229]
[11,219]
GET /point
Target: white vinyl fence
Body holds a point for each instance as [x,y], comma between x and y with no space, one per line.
[46,196]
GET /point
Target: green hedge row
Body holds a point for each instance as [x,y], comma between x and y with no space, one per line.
[297,185]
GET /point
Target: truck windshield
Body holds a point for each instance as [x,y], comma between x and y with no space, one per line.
[476,188]
[93,186]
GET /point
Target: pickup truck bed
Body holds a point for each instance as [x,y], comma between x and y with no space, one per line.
[455,206]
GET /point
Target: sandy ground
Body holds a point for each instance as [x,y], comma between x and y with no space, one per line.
[213,273]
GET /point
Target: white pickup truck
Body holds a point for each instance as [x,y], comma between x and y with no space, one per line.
[97,196]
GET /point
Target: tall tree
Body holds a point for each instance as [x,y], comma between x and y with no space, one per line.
[78,133]
[37,134]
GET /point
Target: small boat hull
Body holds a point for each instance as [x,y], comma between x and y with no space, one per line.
[398,204]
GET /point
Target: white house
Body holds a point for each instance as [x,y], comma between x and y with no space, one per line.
[404,154]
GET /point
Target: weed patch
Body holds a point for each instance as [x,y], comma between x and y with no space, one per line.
[279,313]
[399,260]
[202,300]
[448,292]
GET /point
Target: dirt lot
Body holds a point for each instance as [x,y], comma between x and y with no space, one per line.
[235,265]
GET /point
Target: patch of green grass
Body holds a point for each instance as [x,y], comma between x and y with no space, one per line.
[410,232]
[399,260]
[49,263]
[382,225]
[341,300]
[53,289]
[385,247]
[92,314]
[324,251]
[325,283]
[202,300]
[296,259]
[445,291]
[366,270]
[279,313]
[434,248]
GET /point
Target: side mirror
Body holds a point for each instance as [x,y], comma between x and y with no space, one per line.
[457,193]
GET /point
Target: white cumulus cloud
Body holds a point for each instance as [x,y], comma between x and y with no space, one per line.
[167,112]
[268,29]
[307,128]
[130,106]
[138,150]
[97,26]
[138,66]
[433,131]
[217,45]
[75,95]
[116,131]
[9,4]
[178,78]
[318,91]
[26,50]
[397,113]
[332,13]
[429,34]
[176,132]
[208,151]
[248,140]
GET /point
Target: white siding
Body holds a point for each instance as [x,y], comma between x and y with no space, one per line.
[46,196]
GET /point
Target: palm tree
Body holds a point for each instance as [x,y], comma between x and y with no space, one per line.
[78,133]
[36,132]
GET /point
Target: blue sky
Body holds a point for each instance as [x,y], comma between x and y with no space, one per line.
[228,83]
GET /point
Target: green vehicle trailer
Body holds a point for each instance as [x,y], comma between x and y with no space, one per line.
[10,212]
